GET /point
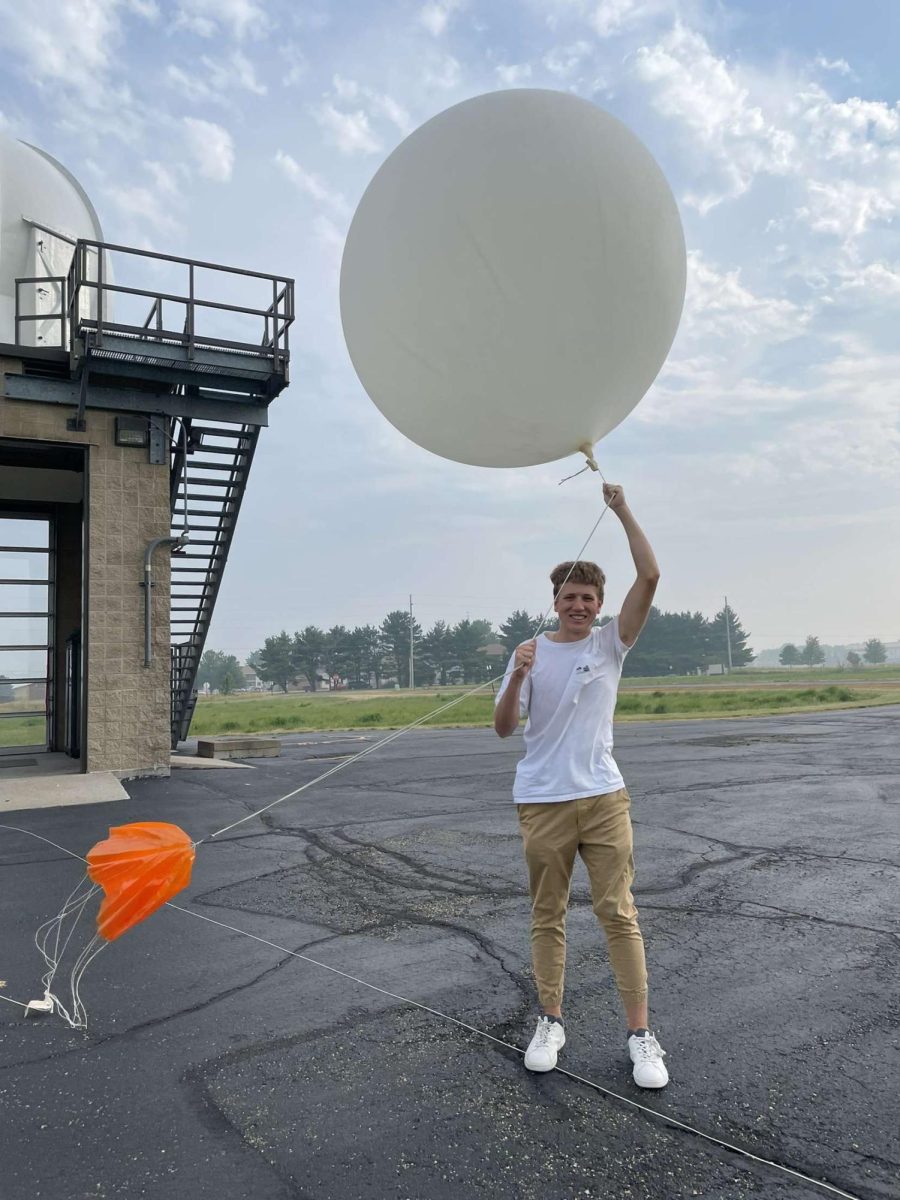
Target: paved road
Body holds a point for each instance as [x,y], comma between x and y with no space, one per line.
[216,1066]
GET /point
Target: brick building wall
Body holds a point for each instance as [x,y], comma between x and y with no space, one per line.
[127,502]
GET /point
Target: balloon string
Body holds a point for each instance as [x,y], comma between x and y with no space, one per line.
[413,724]
[598,1087]
[92,949]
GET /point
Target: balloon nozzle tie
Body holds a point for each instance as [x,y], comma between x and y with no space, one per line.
[588,451]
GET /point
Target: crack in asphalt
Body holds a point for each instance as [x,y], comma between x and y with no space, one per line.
[786,913]
[778,851]
[154,1022]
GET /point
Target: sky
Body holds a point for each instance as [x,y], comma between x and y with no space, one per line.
[764,463]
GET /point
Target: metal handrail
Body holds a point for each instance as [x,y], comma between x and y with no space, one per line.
[92,276]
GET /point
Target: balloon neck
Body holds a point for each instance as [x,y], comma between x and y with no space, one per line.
[587,450]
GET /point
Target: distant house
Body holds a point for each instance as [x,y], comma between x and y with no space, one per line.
[252,682]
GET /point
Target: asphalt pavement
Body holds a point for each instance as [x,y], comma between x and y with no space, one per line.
[218,1066]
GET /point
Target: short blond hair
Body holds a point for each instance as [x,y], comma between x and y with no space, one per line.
[578,572]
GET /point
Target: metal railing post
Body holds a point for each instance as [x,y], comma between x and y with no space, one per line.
[191,311]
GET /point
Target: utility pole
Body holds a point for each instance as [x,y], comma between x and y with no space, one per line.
[412,668]
[727,630]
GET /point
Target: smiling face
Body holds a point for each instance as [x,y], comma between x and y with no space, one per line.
[577,605]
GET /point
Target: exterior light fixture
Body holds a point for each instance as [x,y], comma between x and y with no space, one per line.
[132,431]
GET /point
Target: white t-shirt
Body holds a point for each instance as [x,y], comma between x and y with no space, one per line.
[570,696]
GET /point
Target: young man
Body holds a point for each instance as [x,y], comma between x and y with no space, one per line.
[570,795]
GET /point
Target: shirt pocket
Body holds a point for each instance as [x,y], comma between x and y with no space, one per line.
[582,679]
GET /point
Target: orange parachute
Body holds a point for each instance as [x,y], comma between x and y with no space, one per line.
[139,867]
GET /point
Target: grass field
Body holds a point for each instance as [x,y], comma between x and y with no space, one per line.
[20,731]
[265,713]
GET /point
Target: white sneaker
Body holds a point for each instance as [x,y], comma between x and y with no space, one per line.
[549,1038]
[647,1055]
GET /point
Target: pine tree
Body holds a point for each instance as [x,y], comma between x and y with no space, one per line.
[468,638]
[275,662]
[719,633]
[517,628]
[437,651]
[309,648]
[337,654]
[812,654]
[395,636]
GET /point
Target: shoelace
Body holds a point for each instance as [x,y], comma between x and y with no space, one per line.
[649,1047]
[543,1034]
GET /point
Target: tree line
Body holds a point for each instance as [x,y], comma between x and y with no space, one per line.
[469,652]
[811,654]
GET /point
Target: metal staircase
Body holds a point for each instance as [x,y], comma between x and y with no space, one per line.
[201,367]
[207,488]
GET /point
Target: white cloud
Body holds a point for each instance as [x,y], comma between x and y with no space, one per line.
[349,91]
[689,83]
[297,64]
[147,10]
[564,61]
[845,208]
[201,26]
[345,89]
[514,74]
[442,73]
[329,237]
[141,206]
[310,184]
[614,16]
[244,74]
[163,177]
[241,18]
[839,65]
[349,131]
[436,16]
[388,107]
[212,148]
[70,43]
[191,85]
[874,279]
[852,130]
[219,79]
[719,305]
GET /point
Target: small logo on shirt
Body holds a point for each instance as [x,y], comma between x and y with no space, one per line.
[581,670]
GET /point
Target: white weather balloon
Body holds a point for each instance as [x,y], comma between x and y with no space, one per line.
[513,278]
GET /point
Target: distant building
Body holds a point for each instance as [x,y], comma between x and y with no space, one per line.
[252,682]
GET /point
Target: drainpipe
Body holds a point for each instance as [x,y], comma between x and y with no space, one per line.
[148,585]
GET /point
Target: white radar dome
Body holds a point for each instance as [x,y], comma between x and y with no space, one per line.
[43,211]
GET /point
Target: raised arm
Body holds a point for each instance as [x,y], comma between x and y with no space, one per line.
[637,603]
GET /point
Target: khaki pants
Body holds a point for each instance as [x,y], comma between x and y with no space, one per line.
[599,829]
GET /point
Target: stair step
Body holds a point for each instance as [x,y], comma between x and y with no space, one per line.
[208,429]
[205,466]
[196,512]
[203,448]
[213,483]
[215,496]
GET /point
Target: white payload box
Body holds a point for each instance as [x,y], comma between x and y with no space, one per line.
[43,211]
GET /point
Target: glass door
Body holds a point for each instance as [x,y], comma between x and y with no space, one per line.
[26,628]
